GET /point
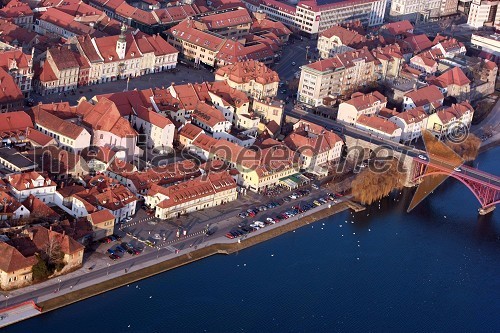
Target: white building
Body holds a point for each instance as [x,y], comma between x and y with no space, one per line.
[314,145]
[159,130]
[429,98]
[313,18]
[488,42]
[379,127]
[210,119]
[483,12]
[446,120]
[22,185]
[367,104]
[68,135]
[411,9]
[411,123]
[192,195]
[125,55]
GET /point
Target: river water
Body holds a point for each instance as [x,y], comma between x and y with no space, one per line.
[434,269]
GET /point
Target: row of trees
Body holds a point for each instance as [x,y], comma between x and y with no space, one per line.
[371,185]
[467,149]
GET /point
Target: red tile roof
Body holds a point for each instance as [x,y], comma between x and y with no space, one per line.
[276,27]
[207,114]
[363,101]
[55,124]
[66,22]
[426,95]
[14,123]
[418,43]
[38,138]
[378,123]
[42,236]
[186,31]
[12,260]
[100,217]
[9,90]
[398,28]
[347,37]
[14,58]
[13,34]
[454,76]
[16,9]
[104,116]
[454,112]
[190,131]
[194,189]
[232,51]
[346,60]
[39,208]
[246,71]
[413,115]
[64,57]
[153,117]
[226,19]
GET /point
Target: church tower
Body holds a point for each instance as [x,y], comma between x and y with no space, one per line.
[121,44]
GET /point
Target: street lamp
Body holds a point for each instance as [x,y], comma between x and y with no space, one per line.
[59,287]
[307,51]
[158,252]
[6,300]
[107,270]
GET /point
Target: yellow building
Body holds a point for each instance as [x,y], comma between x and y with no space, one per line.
[103,224]
[192,195]
[15,269]
[252,77]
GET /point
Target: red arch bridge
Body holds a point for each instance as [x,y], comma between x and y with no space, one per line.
[484,186]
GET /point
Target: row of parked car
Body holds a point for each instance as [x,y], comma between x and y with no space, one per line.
[252,212]
[110,239]
[119,250]
[244,229]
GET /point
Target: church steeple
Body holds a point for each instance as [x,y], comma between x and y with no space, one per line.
[121,44]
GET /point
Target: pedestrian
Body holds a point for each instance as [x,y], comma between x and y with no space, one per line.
[126,271]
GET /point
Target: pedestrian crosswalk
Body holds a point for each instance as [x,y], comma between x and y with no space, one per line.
[132,223]
[201,232]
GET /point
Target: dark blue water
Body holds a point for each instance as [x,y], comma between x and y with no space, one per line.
[435,269]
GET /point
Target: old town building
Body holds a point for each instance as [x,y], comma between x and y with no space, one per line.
[252,77]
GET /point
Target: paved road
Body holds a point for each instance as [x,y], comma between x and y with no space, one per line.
[162,79]
[51,288]
[342,129]
[294,53]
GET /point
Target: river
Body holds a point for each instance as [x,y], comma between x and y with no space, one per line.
[381,270]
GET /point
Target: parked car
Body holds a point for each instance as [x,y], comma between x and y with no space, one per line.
[105,240]
[110,251]
[314,186]
[120,249]
[128,219]
[114,257]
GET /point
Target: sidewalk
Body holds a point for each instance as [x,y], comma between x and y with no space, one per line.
[55,289]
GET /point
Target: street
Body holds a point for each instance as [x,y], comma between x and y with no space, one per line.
[108,269]
[293,53]
[161,79]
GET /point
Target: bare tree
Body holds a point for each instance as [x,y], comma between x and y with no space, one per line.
[53,252]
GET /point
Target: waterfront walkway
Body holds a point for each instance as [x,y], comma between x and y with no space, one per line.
[85,278]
